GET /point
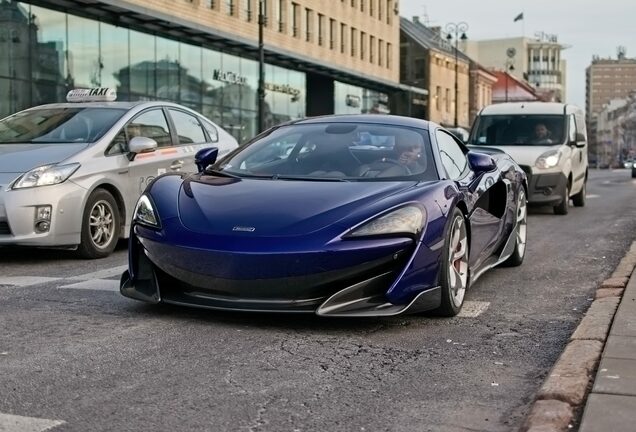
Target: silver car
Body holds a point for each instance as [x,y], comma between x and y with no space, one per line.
[71,173]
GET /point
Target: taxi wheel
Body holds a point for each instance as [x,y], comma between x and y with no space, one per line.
[100,226]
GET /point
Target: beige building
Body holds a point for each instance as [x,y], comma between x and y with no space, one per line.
[481,86]
[537,61]
[428,61]
[608,79]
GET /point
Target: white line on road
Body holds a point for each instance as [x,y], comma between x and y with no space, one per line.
[591,196]
[472,309]
[101,274]
[23,281]
[97,285]
[14,423]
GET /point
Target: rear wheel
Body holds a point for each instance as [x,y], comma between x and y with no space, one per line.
[100,226]
[579,199]
[564,207]
[454,269]
[521,230]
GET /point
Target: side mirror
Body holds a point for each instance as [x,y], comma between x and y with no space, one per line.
[481,162]
[205,157]
[140,144]
[580,139]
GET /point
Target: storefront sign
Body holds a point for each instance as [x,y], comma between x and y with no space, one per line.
[228,77]
[283,88]
[352,101]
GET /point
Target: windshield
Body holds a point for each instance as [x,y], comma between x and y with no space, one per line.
[335,152]
[518,130]
[58,125]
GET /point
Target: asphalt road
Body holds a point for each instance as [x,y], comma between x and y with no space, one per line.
[73,350]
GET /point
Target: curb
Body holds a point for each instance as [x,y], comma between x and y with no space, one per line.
[565,389]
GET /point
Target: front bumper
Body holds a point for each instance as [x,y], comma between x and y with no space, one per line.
[17,215]
[214,280]
[545,188]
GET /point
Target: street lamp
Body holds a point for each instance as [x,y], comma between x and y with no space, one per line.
[457,31]
[261,67]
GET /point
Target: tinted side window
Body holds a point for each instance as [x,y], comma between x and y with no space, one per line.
[212,131]
[453,158]
[188,127]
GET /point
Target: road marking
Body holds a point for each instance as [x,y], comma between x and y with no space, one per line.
[472,309]
[14,423]
[591,196]
[96,284]
[23,281]
[101,274]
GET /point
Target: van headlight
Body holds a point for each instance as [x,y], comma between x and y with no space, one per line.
[145,213]
[45,175]
[405,220]
[548,159]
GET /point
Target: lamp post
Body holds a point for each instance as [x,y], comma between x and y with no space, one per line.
[458,32]
[261,67]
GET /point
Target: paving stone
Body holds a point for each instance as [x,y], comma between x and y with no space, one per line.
[615,282]
[623,347]
[548,415]
[596,322]
[570,375]
[605,412]
[625,320]
[616,376]
[609,292]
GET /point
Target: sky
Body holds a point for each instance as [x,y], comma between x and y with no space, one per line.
[588,27]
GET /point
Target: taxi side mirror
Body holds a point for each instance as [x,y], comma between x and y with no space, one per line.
[205,157]
[140,144]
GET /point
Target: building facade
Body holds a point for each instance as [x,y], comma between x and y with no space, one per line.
[482,82]
[537,61]
[321,56]
[616,132]
[429,61]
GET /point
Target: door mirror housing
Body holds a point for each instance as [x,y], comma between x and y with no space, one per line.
[140,144]
[580,140]
[206,157]
[481,162]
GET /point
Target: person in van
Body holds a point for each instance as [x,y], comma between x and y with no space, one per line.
[542,134]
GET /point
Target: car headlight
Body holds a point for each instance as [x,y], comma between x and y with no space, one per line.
[634,165]
[548,159]
[145,213]
[45,176]
[405,220]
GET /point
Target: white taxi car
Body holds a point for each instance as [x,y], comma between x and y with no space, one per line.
[71,173]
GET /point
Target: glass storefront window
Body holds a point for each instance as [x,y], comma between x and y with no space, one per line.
[84,61]
[167,69]
[190,80]
[115,58]
[140,74]
[212,87]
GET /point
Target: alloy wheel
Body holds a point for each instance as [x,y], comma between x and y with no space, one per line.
[458,261]
[101,224]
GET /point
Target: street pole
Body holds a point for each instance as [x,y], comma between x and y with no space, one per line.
[261,68]
[458,31]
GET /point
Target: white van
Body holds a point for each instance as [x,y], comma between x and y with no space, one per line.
[547,139]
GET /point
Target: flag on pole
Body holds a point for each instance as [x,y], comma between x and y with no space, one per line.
[518,17]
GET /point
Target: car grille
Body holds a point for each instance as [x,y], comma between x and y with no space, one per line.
[4,228]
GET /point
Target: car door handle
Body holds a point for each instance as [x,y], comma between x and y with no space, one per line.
[176,165]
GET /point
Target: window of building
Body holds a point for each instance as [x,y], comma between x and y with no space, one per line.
[380,50]
[210,4]
[389,7]
[420,68]
[248,10]
[438,98]
[361,5]
[380,10]
[371,4]
[447,101]
[363,37]
[280,15]
[389,55]
[229,7]
[353,41]
[309,14]
[332,33]
[343,38]
[371,49]
[321,29]
[295,20]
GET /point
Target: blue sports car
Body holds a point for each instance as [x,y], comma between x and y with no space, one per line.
[364,215]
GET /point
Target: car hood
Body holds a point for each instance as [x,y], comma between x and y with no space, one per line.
[255,207]
[19,158]
[522,154]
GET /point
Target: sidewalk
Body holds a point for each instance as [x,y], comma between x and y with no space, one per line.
[611,404]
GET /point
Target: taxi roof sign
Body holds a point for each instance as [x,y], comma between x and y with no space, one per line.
[101,94]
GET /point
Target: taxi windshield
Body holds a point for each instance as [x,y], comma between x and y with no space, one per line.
[58,125]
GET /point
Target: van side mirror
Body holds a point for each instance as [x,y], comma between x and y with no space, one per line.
[205,157]
[580,139]
[140,144]
[480,162]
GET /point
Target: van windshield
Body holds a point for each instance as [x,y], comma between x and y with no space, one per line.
[503,130]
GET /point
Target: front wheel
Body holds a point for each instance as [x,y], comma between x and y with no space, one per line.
[100,226]
[520,233]
[564,207]
[579,199]
[454,268]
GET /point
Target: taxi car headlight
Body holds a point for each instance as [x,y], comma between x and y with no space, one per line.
[145,213]
[405,220]
[45,175]
[548,159]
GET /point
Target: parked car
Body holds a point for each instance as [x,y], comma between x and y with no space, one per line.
[71,173]
[548,140]
[331,227]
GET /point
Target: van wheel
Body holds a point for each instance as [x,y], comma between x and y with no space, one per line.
[579,199]
[100,226]
[564,207]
